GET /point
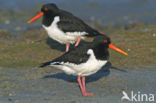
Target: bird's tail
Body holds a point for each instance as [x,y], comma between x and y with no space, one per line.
[45,64]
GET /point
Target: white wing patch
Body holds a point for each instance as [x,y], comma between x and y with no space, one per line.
[53,63]
[76,33]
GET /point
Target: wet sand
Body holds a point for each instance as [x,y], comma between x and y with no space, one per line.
[49,85]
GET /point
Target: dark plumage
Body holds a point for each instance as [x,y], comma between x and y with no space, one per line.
[68,22]
[84,60]
[63,26]
[79,55]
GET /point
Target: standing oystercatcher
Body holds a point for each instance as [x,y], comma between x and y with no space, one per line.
[62,26]
[84,60]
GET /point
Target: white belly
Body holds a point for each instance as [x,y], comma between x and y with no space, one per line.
[55,33]
[83,69]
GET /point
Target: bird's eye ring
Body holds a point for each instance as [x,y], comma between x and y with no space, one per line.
[105,41]
[46,9]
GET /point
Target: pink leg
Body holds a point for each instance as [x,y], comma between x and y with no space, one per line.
[67,46]
[83,83]
[84,87]
[80,84]
[78,41]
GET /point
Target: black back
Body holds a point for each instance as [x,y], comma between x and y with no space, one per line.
[79,55]
[68,22]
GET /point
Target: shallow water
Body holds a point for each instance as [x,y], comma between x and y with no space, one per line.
[107,12]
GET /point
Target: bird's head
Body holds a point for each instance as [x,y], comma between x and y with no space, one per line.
[47,10]
[104,42]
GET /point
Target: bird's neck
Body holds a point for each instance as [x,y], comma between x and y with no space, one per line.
[47,20]
[101,52]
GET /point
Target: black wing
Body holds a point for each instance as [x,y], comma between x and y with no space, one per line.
[76,56]
[70,23]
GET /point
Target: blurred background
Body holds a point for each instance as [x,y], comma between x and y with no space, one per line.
[98,13]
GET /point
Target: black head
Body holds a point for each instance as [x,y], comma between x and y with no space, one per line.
[102,39]
[49,8]
[100,47]
[50,11]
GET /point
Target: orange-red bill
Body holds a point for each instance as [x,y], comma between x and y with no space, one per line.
[36,17]
[117,49]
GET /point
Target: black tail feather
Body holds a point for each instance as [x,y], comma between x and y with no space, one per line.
[45,64]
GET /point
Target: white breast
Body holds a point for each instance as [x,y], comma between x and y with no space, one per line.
[55,33]
[84,69]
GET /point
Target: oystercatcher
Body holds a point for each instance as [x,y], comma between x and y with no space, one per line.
[62,26]
[84,60]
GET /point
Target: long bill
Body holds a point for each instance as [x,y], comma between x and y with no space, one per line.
[36,17]
[117,49]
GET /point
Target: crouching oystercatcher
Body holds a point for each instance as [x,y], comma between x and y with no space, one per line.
[84,60]
[62,26]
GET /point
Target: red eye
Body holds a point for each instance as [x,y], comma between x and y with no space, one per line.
[46,9]
[105,41]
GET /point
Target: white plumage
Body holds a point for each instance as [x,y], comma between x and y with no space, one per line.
[57,34]
[91,66]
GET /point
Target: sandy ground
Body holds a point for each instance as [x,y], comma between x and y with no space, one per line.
[49,85]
